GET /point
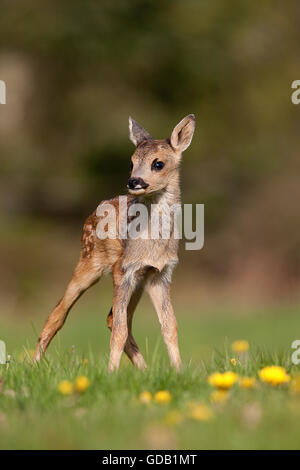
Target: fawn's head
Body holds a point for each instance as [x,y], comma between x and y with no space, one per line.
[155,163]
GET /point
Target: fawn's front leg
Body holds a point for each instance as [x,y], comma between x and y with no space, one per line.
[131,348]
[159,291]
[122,293]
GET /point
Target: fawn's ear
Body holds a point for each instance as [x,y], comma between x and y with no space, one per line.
[137,133]
[183,133]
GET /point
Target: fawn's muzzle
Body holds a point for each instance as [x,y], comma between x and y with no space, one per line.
[137,183]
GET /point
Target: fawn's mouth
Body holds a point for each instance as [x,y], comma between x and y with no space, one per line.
[136,191]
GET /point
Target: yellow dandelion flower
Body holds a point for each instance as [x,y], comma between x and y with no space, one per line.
[65,387]
[215,379]
[233,361]
[295,384]
[200,412]
[274,375]
[240,346]
[146,397]
[162,397]
[219,396]
[223,381]
[174,417]
[82,383]
[247,382]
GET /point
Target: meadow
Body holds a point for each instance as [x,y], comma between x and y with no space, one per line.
[113,412]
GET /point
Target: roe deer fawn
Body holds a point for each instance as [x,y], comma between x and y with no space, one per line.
[135,264]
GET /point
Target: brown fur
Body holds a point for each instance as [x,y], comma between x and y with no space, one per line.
[135,264]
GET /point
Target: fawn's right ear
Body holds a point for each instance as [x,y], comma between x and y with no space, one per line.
[137,133]
[183,133]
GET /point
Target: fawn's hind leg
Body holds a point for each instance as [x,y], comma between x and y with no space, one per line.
[85,274]
[131,348]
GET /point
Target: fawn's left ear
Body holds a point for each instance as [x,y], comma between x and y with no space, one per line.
[183,133]
[137,133]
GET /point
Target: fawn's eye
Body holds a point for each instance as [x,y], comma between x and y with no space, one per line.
[156,165]
[131,166]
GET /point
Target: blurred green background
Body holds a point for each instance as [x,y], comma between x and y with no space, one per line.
[76,71]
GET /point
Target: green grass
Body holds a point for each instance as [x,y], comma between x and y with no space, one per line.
[109,414]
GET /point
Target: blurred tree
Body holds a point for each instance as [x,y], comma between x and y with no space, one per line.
[74,73]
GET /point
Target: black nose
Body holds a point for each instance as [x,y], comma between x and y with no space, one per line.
[137,183]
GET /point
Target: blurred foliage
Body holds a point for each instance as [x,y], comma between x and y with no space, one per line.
[75,71]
